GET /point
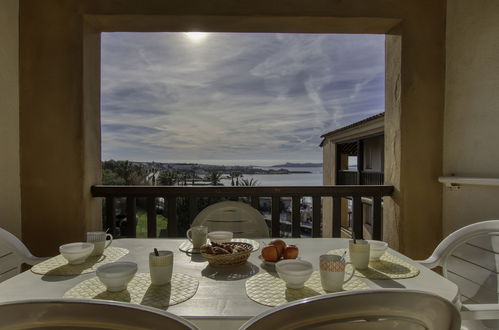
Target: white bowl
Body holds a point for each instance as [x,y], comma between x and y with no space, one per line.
[294,272]
[116,275]
[220,236]
[378,248]
[76,253]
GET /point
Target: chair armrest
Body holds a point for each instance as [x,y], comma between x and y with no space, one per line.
[430,262]
[480,311]
[32,260]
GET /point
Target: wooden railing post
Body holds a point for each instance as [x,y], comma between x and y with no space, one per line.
[336,216]
[131,213]
[255,202]
[193,209]
[275,193]
[172,217]
[276,216]
[110,215]
[296,217]
[377,219]
[357,217]
[151,217]
[316,216]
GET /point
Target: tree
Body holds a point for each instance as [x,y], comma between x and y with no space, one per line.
[167,178]
[111,178]
[249,183]
[182,178]
[127,172]
[232,176]
[238,175]
[153,173]
[193,176]
[214,178]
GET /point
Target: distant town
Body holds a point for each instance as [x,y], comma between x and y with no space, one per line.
[125,172]
[250,169]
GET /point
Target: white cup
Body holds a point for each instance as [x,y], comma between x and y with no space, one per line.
[197,235]
[332,270]
[98,238]
[220,236]
[161,267]
[359,253]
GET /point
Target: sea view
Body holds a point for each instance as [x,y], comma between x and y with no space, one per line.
[314,178]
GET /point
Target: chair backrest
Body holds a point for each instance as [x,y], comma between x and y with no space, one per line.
[9,263]
[13,253]
[370,309]
[240,218]
[469,257]
[86,314]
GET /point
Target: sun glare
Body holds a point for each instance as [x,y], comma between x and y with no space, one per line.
[196,36]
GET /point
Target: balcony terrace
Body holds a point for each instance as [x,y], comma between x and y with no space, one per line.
[441,113]
[170,196]
[440,116]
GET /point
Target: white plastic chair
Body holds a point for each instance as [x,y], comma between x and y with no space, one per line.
[86,314]
[468,257]
[369,309]
[13,253]
[240,218]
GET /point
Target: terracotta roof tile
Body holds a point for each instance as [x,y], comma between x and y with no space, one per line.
[363,121]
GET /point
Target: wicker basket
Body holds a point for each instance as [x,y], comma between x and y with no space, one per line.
[229,259]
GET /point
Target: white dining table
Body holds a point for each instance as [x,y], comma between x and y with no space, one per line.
[221,299]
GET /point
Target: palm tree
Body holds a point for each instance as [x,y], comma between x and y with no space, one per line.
[249,183]
[182,178]
[238,175]
[214,178]
[193,176]
[232,176]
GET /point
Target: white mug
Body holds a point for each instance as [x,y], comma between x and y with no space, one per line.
[197,235]
[332,270]
[359,253]
[161,267]
[220,236]
[98,238]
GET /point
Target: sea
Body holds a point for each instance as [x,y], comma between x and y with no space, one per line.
[314,178]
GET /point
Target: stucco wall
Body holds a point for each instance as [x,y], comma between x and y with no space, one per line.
[328,178]
[374,154]
[58,134]
[10,194]
[471,125]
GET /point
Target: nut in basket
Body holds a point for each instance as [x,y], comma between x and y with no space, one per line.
[231,253]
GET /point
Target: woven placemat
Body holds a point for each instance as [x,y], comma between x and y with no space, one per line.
[269,290]
[389,267]
[186,246]
[58,266]
[140,291]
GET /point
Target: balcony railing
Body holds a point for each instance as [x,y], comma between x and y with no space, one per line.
[362,178]
[171,194]
[347,177]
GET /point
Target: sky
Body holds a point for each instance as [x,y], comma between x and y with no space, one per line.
[234,98]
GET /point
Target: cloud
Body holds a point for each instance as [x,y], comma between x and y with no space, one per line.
[234,96]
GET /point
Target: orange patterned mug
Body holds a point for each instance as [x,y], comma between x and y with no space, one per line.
[332,269]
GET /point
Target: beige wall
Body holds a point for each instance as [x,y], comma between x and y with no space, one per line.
[58,132]
[374,154]
[328,178]
[10,194]
[471,126]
